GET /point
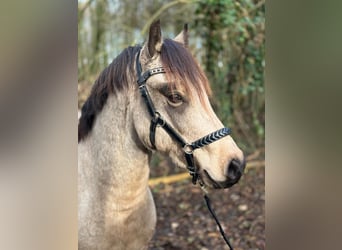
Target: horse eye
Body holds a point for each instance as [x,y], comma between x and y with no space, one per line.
[175,99]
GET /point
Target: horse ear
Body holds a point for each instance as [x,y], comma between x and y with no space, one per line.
[154,42]
[183,37]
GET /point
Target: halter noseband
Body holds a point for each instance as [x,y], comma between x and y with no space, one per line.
[158,120]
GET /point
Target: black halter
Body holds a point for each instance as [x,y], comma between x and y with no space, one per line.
[188,148]
[158,120]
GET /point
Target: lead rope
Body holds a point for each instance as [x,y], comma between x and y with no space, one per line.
[200,143]
[212,212]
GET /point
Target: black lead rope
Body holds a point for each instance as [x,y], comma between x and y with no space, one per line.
[212,212]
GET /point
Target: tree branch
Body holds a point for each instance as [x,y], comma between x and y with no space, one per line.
[160,11]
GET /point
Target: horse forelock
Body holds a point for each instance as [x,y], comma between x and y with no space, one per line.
[182,69]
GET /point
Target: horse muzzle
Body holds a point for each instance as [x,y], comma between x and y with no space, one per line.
[233,174]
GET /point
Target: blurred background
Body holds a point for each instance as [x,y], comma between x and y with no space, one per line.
[38,110]
[228,39]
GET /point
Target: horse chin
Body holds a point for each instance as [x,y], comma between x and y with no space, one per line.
[211,183]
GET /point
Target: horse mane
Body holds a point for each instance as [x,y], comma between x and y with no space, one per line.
[114,78]
[181,68]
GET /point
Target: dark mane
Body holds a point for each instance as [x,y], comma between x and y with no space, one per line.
[181,68]
[111,80]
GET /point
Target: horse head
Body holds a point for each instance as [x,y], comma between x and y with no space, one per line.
[181,96]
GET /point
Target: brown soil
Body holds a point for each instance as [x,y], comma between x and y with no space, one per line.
[184,221]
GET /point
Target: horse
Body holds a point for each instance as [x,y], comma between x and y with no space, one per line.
[153,97]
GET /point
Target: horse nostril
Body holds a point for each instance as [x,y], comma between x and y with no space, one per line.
[235,170]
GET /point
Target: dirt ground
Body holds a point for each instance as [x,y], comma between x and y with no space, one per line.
[184,222]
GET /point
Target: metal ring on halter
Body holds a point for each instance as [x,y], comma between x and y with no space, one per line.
[157,118]
[188,149]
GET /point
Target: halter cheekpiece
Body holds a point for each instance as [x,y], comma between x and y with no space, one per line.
[158,121]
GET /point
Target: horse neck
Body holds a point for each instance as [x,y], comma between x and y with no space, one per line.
[118,162]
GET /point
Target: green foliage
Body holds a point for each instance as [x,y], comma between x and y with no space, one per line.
[233,34]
